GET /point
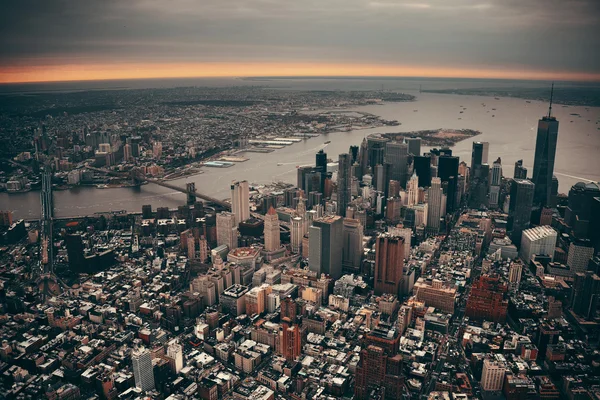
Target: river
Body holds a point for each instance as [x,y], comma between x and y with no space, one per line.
[510,129]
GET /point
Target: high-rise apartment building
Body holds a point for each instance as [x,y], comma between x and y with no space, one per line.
[492,376]
[580,254]
[272,237]
[175,352]
[389,263]
[143,371]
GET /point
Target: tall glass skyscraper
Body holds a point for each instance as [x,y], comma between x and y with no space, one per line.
[344,181]
[545,153]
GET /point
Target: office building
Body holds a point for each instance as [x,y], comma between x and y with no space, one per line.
[540,240]
[520,170]
[479,155]
[352,246]
[344,182]
[434,206]
[389,264]
[580,254]
[492,376]
[396,155]
[233,300]
[227,230]
[376,150]
[75,253]
[143,371]
[448,173]
[414,146]
[519,211]
[272,237]
[579,208]
[545,153]
[297,234]
[585,295]
[422,167]
[325,246]
[495,182]
[240,201]
[413,190]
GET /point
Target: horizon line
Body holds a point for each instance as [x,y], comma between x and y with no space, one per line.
[122,72]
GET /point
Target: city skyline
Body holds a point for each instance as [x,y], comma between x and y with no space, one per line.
[65,40]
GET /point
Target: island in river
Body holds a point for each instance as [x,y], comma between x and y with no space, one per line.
[436,137]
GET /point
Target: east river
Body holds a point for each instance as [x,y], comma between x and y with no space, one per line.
[510,129]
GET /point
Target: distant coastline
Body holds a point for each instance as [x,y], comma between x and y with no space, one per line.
[587,96]
[436,137]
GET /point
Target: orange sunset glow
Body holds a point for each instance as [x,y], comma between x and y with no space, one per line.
[90,72]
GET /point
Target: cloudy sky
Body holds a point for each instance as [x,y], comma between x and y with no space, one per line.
[103,39]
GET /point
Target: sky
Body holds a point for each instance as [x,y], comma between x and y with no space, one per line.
[58,40]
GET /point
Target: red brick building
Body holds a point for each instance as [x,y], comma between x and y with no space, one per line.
[377,370]
[487,299]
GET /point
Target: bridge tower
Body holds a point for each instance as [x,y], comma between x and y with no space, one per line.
[191,192]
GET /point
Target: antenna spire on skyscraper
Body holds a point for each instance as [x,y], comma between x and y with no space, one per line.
[551,96]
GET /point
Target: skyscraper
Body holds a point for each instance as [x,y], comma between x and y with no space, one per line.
[520,170]
[448,173]
[363,158]
[272,239]
[434,209]
[344,181]
[376,149]
[477,155]
[226,230]
[352,247]
[422,167]
[143,371]
[412,190]
[240,201]
[585,296]
[519,212]
[396,154]
[414,146]
[389,263]
[496,180]
[297,234]
[545,153]
[325,246]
